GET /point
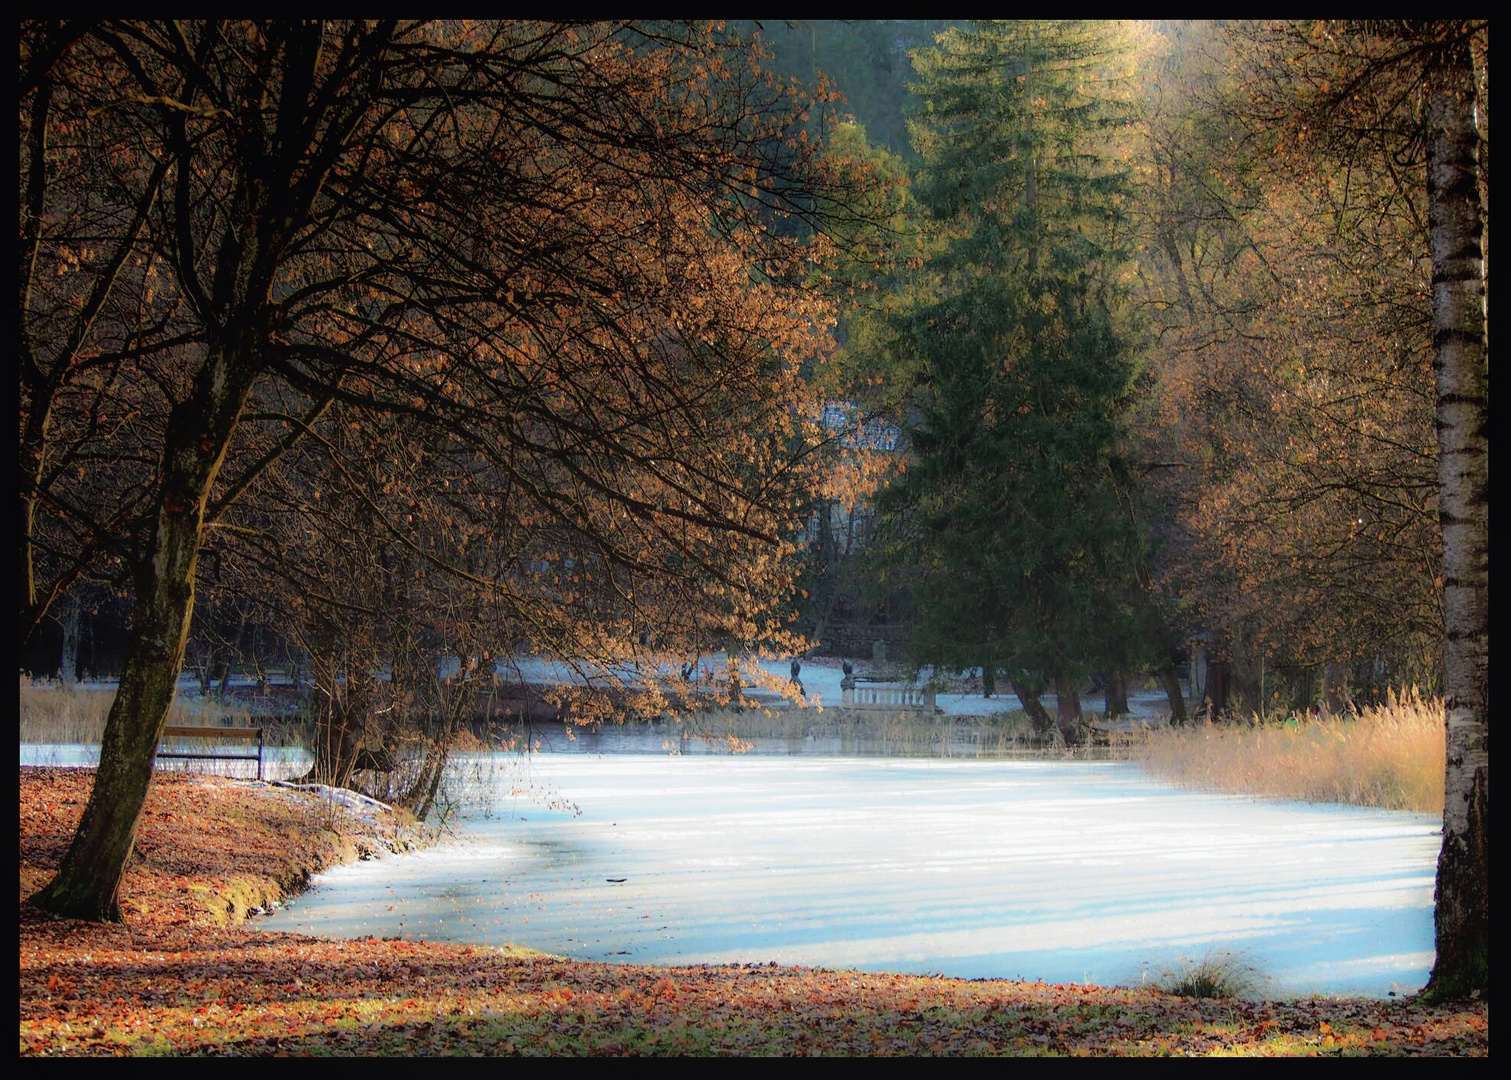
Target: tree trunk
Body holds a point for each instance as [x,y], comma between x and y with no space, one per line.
[1463,883]
[1170,683]
[1334,689]
[258,667]
[1031,185]
[1479,48]
[428,784]
[1038,716]
[88,881]
[1219,680]
[421,796]
[1117,695]
[733,662]
[68,666]
[1068,706]
[1198,684]
[335,754]
[339,731]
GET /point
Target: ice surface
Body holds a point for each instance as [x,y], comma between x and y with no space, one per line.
[279,762]
[1086,872]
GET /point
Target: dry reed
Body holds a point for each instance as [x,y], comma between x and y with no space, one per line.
[57,716]
[1389,756]
[867,731]
[50,713]
[75,715]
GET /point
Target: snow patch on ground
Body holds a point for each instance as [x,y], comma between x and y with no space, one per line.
[367,808]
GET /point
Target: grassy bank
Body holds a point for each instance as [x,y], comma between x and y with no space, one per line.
[1390,756]
[188,973]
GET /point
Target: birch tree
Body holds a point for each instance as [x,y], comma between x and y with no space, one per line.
[1365,123]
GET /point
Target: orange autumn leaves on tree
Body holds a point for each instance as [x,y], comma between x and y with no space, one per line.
[591,296]
[570,257]
[653,427]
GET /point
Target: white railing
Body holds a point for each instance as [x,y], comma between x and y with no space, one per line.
[864,696]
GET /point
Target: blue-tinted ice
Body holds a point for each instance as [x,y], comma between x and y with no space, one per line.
[1084,872]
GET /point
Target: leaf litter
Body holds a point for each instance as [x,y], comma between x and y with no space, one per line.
[189,973]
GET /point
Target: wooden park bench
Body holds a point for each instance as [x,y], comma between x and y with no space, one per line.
[220,734]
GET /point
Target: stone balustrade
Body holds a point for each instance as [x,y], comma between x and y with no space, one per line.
[858,695]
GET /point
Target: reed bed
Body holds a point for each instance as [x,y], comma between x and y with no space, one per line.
[50,713]
[903,732]
[1389,756]
[75,715]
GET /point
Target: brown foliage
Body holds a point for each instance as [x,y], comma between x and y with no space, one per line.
[528,293]
[551,241]
[1295,402]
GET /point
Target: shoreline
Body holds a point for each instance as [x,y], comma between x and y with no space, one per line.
[189,973]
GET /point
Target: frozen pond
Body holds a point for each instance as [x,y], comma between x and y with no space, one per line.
[1068,872]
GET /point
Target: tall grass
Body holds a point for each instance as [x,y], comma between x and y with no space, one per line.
[1216,975]
[51,713]
[1390,756]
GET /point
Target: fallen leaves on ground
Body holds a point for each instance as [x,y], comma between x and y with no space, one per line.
[185,974]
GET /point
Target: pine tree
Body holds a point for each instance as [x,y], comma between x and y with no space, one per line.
[1015,515]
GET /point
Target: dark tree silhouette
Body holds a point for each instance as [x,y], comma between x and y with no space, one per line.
[544,243]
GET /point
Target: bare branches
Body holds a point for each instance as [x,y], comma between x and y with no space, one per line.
[1298,377]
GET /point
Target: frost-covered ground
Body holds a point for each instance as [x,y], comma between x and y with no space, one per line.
[1059,871]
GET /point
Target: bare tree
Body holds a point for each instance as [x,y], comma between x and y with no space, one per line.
[544,241]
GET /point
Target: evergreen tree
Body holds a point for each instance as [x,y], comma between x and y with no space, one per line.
[865,60]
[1015,523]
